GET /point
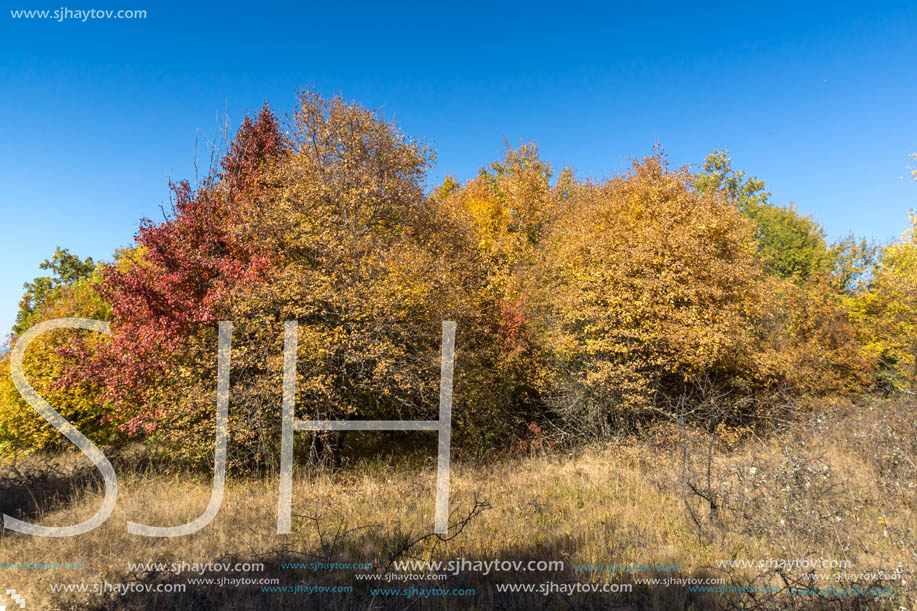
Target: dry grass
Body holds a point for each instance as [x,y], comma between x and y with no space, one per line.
[841,485]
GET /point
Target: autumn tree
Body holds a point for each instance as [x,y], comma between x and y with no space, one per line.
[646,286]
[370,266]
[328,224]
[808,341]
[166,291]
[70,291]
[886,312]
[510,206]
[598,301]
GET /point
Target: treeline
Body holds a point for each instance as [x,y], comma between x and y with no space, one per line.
[583,307]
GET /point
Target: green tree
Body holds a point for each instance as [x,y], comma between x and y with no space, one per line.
[790,245]
[66,269]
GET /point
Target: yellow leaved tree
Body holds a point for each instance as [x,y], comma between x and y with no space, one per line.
[886,311]
[644,286]
[22,429]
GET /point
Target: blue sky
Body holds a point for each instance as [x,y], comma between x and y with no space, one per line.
[96,116]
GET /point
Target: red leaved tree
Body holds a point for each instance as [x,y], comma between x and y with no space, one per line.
[171,283]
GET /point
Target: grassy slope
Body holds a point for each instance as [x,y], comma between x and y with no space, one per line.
[841,485]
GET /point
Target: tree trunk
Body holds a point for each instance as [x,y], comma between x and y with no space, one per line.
[914,368]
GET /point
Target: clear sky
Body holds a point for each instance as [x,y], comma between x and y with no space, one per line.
[818,100]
